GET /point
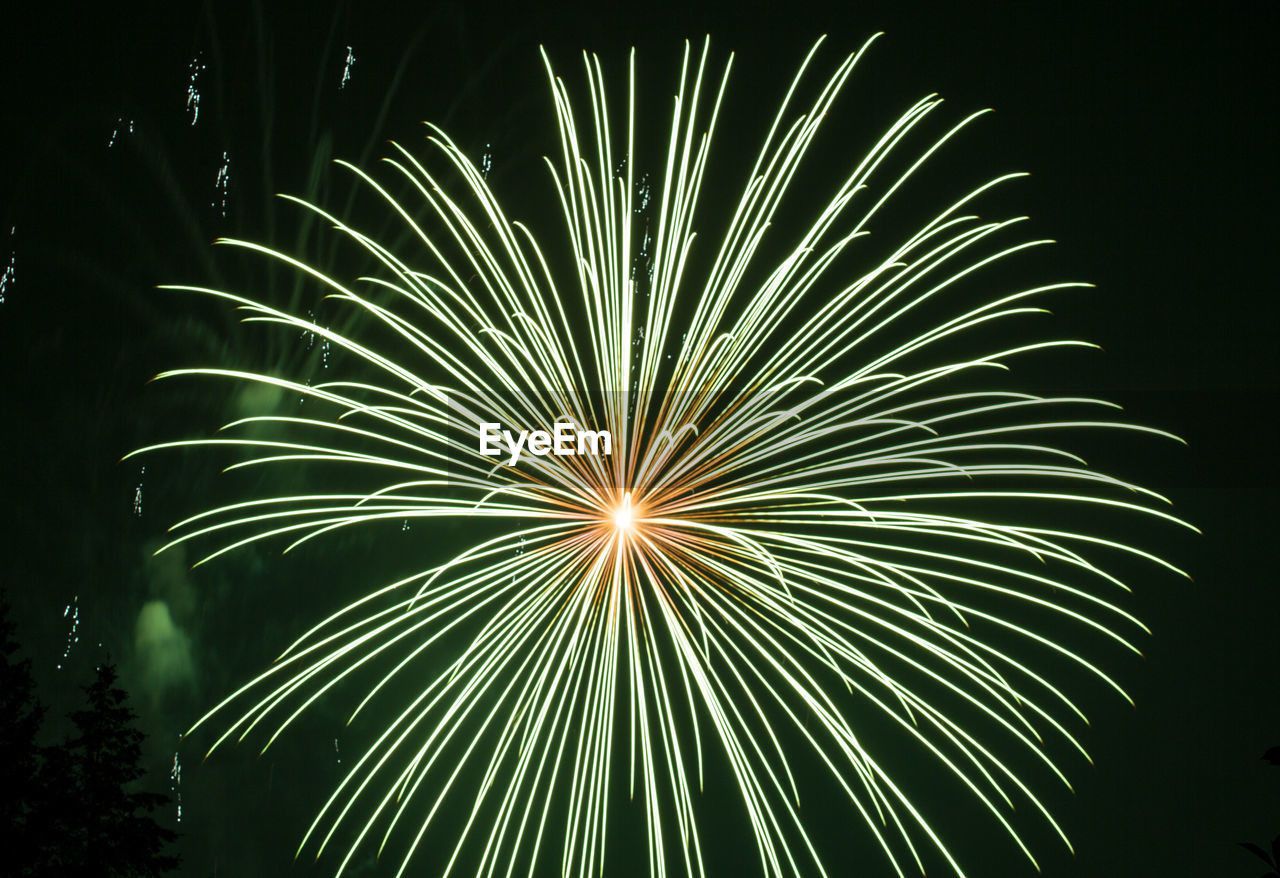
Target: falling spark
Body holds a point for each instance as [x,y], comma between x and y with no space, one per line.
[195,68]
[644,193]
[222,184]
[175,782]
[72,610]
[310,334]
[122,126]
[137,494]
[486,161]
[346,68]
[11,267]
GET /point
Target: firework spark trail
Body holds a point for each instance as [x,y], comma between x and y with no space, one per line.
[137,493]
[194,69]
[804,514]
[10,274]
[71,613]
[175,783]
[222,186]
[123,126]
[346,67]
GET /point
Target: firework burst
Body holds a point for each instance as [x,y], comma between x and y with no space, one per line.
[812,519]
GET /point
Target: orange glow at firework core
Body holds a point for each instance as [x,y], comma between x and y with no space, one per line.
[623,516]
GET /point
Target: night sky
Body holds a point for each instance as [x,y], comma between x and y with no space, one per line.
[133,139]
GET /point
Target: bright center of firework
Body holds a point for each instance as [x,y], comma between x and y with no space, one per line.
[623,516]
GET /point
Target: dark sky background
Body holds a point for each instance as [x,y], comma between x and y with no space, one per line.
[1150,132]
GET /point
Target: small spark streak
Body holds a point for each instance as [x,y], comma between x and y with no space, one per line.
[486,161]
[346,68]
[195,68]
[72,610]
[11,268]
[310,334]
[222,185]
[175,781]
[123,126]
[337,753]
[137,494]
